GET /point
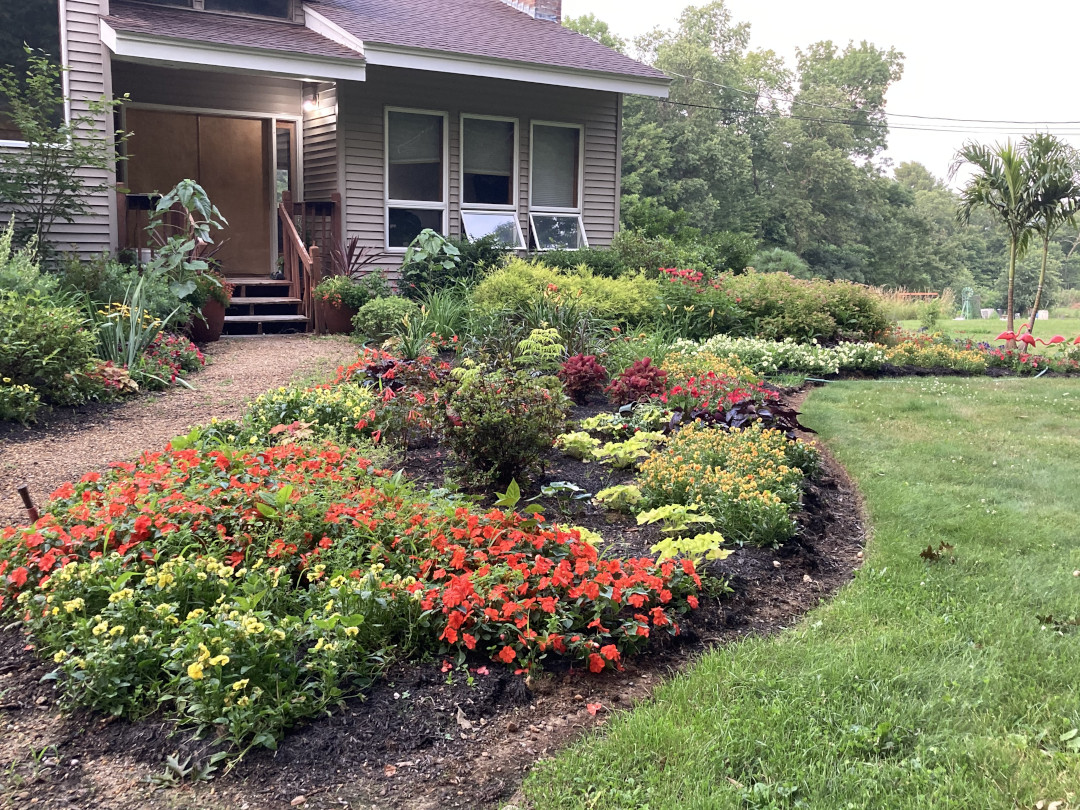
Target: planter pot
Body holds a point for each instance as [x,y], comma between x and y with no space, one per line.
[336,320]
[208,328]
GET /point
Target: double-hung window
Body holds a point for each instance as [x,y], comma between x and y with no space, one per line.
[27,22]
[555,183]
[489,149]
[416,181]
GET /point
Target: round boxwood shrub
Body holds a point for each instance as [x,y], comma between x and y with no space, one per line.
[379,318]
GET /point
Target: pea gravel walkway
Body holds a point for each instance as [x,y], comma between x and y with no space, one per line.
[68,443]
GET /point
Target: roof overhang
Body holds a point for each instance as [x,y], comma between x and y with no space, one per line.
[464,65]
[188,53]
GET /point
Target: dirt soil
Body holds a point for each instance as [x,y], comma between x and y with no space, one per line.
[69,442]
[426,736]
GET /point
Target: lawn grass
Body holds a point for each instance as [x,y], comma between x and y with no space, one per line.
[989,328]
[921,684]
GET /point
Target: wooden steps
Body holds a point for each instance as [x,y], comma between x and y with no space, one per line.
[262,305]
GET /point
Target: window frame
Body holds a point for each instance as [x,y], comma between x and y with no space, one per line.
[515,169]
[65,76]
[551,210]
[389,202]
[199,5]
[513,216]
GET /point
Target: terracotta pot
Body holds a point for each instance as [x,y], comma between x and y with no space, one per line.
[336,320]
[208,328]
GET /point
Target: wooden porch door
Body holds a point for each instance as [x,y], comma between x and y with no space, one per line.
[229,157]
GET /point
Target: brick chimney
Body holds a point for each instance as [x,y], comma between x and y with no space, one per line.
[540,9]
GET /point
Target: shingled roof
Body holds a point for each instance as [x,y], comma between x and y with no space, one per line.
[489,29]
[229,31]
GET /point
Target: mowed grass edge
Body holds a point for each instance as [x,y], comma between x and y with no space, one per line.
[921,684]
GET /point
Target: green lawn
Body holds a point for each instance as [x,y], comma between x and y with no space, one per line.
[979,329]
[922,684]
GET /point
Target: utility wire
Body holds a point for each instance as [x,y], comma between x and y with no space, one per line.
[793,100]
[845,122]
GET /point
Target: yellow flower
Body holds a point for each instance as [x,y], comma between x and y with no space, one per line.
[352,632]
[100,627]
[195,672]
[118,630]
[74,604]
[219,660]
[121,595]
[241,684]
[319,644]
[59,656]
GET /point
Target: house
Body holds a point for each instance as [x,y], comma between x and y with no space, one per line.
[373,118]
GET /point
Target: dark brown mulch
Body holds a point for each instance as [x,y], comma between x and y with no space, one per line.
[421,737]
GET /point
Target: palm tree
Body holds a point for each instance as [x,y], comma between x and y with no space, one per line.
[1056,195]
[1001,184]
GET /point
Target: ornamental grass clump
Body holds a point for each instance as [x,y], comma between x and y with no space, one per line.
[747,480]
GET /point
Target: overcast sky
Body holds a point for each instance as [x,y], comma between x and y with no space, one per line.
[962,58]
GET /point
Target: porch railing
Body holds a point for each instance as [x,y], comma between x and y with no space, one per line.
[309,229]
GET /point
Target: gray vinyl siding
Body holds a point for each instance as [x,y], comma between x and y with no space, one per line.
[207,90]
[88,79]
[321,147]
[361,115]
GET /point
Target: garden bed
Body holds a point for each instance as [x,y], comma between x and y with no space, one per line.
[425,737]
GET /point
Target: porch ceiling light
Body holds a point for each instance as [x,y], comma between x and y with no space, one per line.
[311,100]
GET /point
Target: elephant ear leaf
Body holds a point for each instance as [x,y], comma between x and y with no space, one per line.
[182,289]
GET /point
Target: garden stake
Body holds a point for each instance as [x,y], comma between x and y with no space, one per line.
[28,503]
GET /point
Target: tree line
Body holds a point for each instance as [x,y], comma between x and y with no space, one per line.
[795,158]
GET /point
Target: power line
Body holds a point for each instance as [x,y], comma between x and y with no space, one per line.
[792,100]
[871,124]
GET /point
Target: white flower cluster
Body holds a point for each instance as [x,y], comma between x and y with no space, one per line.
[770,356]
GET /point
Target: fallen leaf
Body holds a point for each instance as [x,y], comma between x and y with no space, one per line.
[463,721]
[389,770]
[594,708]
[299,800]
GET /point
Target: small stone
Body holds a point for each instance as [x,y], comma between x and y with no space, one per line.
[775,563]
[1076,573]
[74,763]
[859,556]
[807,578]
[299,800]
[513,727]
[579,697]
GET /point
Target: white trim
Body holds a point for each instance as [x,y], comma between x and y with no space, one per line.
[581,167]
[429,205]
[208,56]
[515,169]
[329,29]
[14,144]
[463,65]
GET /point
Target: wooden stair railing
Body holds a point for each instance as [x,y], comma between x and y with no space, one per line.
[301,265]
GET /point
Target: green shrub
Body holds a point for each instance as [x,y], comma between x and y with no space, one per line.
[501,424]
[105,281]
[694,308]
[20,271]
[428,274]
[723,252]
[779,260]
[47,347]
[343,291]
[380,318]
[859,312]
[328,413]
[605,262]
[629,299]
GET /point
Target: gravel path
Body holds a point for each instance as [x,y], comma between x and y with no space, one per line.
[71,442]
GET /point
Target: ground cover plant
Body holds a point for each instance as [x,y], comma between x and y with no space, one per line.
[243,589]
[938,678]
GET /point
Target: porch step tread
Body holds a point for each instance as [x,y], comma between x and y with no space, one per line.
[244,300]
[265,319]
[256,281]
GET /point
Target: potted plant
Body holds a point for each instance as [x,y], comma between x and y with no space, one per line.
[340,296]
[209,301]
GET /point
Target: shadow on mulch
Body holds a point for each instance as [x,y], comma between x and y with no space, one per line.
[424,738]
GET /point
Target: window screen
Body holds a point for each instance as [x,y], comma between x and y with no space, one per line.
[487,172]
[36,23]
[555,166]
[265,8]
[504,227]
[415,156]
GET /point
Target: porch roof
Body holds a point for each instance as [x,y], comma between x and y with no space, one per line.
[153,33]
